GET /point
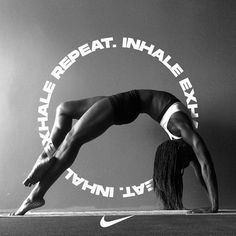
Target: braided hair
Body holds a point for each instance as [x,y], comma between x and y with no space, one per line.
[167,174]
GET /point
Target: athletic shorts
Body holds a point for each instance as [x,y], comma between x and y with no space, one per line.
[126,107]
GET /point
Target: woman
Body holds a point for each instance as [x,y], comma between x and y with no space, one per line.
[95,115]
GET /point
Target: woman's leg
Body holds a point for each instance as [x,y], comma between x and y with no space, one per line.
[65,113]
[92,124]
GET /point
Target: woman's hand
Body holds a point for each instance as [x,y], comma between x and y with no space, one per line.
[202,210]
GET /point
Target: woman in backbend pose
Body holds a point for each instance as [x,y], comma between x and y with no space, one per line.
[95,115]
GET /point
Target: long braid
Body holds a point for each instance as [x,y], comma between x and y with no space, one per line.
[167,175]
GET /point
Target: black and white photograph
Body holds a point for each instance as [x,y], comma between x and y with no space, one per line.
[117,117]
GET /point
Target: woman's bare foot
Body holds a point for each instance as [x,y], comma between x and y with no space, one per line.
[28,205]
[39,169]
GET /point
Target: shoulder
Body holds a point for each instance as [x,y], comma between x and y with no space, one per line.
[184,125]
[181,116]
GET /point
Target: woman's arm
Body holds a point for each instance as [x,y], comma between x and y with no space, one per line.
[197,170]
[191,137]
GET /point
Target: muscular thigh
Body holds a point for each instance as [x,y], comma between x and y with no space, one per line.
[93,123]
[77,108]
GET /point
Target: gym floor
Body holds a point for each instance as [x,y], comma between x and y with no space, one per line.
[141,223]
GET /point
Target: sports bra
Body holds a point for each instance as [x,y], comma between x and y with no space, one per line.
[175,107]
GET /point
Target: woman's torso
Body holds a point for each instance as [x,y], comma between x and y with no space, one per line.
[154,102]
[128,105]
[166,109]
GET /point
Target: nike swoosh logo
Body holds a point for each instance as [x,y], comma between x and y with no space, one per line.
[105,224]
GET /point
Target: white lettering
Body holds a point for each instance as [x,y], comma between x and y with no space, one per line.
[76,180]
[96,45]
[185,84]
[192,107]
[128,193]
[149,185]
[91,187]
[65,63]
[190,96]
[45,137]
[43,110]
[57,72]
[43,126]
[84,50]
[148,48]
[165,62]
[139,189]
[159,54]
[107,41]
[69,174]
[107,192]
[176,70]
[130,42]
[73,55]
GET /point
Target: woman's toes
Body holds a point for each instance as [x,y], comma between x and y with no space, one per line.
[11,214]
[26,182]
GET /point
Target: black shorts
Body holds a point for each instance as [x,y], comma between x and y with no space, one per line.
[126,107]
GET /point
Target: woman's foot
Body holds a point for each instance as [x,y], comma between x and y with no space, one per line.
[28,205]
[39,169]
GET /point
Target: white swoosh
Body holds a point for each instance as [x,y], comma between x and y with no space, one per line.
[105,224]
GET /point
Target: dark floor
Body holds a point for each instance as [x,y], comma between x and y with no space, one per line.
[218,224]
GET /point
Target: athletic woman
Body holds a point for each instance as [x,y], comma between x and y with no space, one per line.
[95,115]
